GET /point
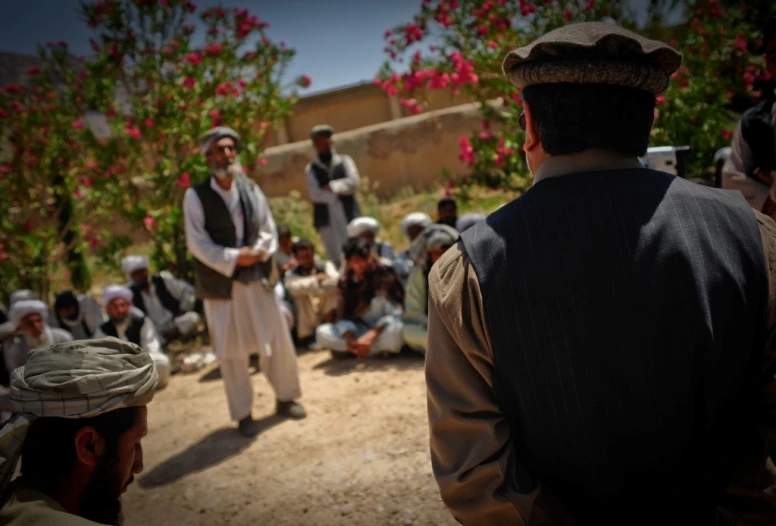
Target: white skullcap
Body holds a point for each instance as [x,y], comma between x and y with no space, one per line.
[23,308]
[466,222]
[416,219]
[113,292]
[21,294]
[363,224]
[132,263]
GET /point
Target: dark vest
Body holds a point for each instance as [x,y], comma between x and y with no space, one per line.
[165,298]
[625,310]
[349,204]
[757,130]
[208,282]
[133,331]
[65,327]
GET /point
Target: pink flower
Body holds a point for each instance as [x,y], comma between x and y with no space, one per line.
[726,135]
[527,9]
[214,49]
[184,180]
[78,194]
[189,83]
[88,182]
[516,98]
[150,223]
[741,43]
[417,108]
[659,101]
[492,45]
[484,136]
[223,89]
[569,15]
[263,162]
[149,123]
[78,125]
[194,59]
[3,114]
[133,132]
[305,81]
[215,116]
[467,155]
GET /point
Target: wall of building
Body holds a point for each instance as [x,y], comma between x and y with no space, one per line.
[406,152]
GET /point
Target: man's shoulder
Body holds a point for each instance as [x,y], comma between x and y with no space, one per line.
[25,507]
[60,335]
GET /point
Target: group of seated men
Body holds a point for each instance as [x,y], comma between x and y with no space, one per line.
[150,311]
[378,302]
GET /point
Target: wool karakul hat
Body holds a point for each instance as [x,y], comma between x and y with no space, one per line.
[594,53]
[321,130]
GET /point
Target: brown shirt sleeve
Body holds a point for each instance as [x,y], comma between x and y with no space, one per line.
[471,449]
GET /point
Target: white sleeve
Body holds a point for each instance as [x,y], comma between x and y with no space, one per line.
[149,341]
[92,313]
[98,334]
[317,195]
[349,185]
[735,169]
[219,258]
[267,243]
[180,290]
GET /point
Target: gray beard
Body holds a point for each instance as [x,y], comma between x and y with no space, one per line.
[228,172]
[37,343]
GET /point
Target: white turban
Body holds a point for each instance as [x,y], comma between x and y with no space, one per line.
[363,224]
[132,263]
[113,292]
[21,294]
[466,222]
[23,308]
[416,219]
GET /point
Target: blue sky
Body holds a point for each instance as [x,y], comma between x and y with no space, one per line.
[338,42]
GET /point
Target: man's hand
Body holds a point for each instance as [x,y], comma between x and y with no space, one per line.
[326,187]
[321,277]
[246,257]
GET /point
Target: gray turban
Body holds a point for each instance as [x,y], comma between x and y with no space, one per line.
[321,130]
[77,379]
[216,134]
[433,236]
[593,53]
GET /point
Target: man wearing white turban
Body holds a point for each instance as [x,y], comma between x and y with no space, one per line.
[368,228]
[129,324]
[411,226]
[232,235]
[81,415]
[29,318]
[169,302]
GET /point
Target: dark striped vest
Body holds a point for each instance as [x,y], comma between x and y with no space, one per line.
[349,204]
[626,314]
[160,289]
[132,332]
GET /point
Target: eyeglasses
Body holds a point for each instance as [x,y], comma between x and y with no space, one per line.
[521,121]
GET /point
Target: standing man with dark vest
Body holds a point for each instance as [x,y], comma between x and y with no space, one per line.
[332,179]
[601,349]
[168,301]
[232,236]
[751,166]
[128,324]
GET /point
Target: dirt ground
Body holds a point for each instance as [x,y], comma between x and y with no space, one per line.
[360,457]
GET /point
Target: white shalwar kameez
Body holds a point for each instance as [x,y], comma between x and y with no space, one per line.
[336,233]
[249,322]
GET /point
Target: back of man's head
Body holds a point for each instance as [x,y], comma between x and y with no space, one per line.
[572,118]
[356,246]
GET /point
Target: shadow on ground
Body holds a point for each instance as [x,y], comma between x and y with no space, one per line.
[208,452]
[215,373]
[405,360]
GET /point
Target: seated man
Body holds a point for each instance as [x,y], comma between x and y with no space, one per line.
[368,309]
[368,227]
[29,318]
[128,323]
[79,315]
[313,287]
[411,226]
[167,301]
[447,212]
[284,257]
[432,243]
[79,440]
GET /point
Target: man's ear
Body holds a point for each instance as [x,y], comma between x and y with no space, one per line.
[532,139]
[89,447]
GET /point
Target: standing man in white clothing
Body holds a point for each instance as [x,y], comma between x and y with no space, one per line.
[232,236]
[332,180]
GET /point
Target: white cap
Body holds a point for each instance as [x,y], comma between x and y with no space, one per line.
[363,224]
[23,308]
[132,263]
[113,292]
[415,219]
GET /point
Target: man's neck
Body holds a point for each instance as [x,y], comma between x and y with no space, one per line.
[224,184]
[592,160]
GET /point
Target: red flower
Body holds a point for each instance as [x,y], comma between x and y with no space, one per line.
[149,123]
[263,162]
[527,9]
[305,81]
[484,136]
[194,59]
[189,83]
[223,89]
[33,71]
[467,155]
[214,49]
[133,132]
[215,116]
[87,182]
[3,114]
[726,135]
[517,98]
[569,15]
[78,125]
[150,223]
[492,45]
[590,5]
[184,180]
[659,101]
[741,43]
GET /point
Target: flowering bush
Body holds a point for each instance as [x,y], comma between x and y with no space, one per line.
[160,92]
[469,39]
